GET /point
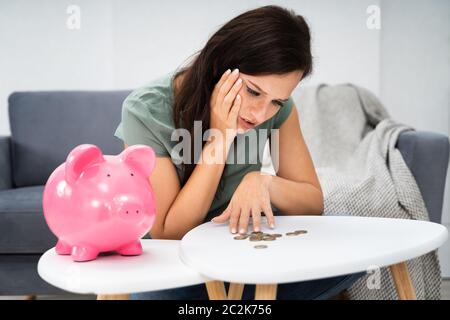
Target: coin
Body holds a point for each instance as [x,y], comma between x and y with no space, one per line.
[262,236]
[268,238]
[255,238]
[276,235]
[260,246]
[296,232]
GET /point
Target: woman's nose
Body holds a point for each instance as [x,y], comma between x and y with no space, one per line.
[256,113]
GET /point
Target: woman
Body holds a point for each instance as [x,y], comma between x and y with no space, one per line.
[269,51]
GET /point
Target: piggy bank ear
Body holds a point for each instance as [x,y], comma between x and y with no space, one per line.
[80,158]
[140,157]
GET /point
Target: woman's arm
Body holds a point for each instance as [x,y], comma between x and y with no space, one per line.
[178,211]
[296,188]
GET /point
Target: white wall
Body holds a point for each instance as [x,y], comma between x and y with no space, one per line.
[38,52]
[123,44]
[164,32]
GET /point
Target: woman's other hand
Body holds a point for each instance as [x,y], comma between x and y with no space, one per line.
[249,199]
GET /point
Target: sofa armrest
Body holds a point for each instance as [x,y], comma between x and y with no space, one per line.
[5,163]
[427,155]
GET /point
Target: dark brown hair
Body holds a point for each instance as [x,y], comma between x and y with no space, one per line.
[263,41]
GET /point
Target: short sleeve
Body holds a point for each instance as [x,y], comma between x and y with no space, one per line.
[283,113]
[138,127]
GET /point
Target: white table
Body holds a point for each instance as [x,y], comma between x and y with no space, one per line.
[332,246]
[115,276]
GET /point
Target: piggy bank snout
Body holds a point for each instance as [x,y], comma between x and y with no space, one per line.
[132,210]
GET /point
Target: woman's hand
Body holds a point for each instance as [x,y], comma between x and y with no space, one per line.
[250,199]
[225,103]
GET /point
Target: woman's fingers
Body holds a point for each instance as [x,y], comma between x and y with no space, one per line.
[269,215]
[224,216]
[231,96]
[243,220]
[256,217]
[218,85]
[225,89]
[234,218]
[239,218]
[234,112]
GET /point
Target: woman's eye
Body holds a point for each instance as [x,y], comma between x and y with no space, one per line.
[277,103]
[252,92]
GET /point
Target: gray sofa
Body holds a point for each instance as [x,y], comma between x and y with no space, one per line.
[45,126]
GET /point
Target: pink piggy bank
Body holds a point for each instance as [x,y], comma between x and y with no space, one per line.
[98,203]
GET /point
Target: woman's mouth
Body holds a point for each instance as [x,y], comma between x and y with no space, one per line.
[245,124]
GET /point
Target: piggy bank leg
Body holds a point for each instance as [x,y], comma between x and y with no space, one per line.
[131,249]
[63,248]
[82,253]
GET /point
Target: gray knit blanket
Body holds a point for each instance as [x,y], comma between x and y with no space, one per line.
[352,141]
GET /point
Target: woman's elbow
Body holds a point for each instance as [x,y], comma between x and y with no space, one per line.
[319,206]
[157,232]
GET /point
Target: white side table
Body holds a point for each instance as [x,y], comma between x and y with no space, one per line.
[332,246]
[115,276]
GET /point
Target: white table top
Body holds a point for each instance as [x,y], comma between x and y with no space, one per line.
[159,267]
[333,245]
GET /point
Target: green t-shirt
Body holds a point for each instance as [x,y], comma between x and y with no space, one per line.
[147,119]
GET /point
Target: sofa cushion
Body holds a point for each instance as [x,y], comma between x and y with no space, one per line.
[46,126]
[22,225]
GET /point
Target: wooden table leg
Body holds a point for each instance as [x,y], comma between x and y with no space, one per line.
[266,292]
[235,291]
[216,290]
[403,283]
[113,297]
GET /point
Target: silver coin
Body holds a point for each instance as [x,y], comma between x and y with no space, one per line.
[260,246]
[276,235]
[255,238]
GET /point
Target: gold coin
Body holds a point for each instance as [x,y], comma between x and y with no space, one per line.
[291,233]
[257,232]
[268,238]
[260,246]
[300,231]
[241,237]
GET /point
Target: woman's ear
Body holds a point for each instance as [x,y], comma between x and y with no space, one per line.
[140,157]
[80,158]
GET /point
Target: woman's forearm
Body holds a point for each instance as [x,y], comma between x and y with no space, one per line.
[194,200]
[292,197]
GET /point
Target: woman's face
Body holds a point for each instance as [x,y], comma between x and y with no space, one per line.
[261,96]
